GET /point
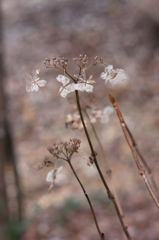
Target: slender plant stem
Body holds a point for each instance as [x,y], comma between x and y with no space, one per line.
[130,143]
[143,160]
[110,195]
[89,202]
[109,171]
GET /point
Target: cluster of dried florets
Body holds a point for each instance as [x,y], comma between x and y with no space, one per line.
[61,150]
[59,63]
[113,76]
[101,115]
[74,121]
[80,81]
[82,84]
[65,150]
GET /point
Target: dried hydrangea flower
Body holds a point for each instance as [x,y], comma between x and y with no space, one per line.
[51,176]
[82,85]
[33,81]
[47,162]
[102,115]
[74,121]
[113,76]
[65,88]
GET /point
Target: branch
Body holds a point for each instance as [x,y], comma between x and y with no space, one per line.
[110,195]
[143,160]
[89,202]
[108,170]
[131,145]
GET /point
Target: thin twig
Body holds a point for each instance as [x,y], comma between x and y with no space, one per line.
[108,170]
[91,207]
[143,161]
[130,143]
[110,195]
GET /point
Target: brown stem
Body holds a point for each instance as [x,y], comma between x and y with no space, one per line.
[130,143]
[89,202]
[110,195]
[143,160]
[108,171]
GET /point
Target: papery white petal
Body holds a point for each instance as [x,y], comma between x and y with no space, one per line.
[28,78]
[108,68]
[49,177]
[62,79]
[80,87]
[35,74]
[59,169]
[63,92]
[91,81]
[71,87]
[41,83]
[37,71]
[103,75]
[89,88]
[29,87]
[35,87]
[90,77]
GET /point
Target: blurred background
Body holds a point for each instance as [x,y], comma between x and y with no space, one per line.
[125,34]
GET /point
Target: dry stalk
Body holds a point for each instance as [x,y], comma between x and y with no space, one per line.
[143,161]
[106,165]
[133,149]
[109,193]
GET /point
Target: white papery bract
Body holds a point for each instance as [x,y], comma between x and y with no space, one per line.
[62,79]
[82,85]
[33,81]
[113,76]
[51,176]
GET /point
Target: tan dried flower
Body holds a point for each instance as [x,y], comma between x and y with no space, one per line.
[33,81]
[113,76]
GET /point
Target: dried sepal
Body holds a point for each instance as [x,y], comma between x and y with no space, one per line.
[113,76]
[51,176]
[33,81]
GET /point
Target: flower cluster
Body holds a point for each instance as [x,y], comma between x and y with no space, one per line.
[33,81]
[66,149]
[113,76]
[81,85]
[74,121]
[102,115]
[80,81]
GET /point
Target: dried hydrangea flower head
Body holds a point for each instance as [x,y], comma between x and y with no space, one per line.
[51,176]
[80,82]
[101,115]
[65,150]
[74,121]
[58,63]
[113,76]
[33,81]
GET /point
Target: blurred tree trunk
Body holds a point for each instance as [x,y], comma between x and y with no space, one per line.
[6,143]
[3,196]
